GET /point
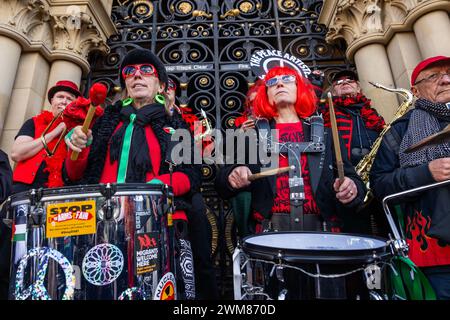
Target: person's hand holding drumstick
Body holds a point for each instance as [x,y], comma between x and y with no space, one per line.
[241,176]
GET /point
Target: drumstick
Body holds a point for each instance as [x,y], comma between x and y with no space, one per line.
[269,173]
[97,94]
[86,124]
[337,146]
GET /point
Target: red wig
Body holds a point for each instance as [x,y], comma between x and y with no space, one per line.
[305,105]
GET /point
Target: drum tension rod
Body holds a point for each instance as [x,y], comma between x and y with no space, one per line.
[108,191]
[36,213]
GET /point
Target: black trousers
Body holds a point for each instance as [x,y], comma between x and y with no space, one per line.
[200,237]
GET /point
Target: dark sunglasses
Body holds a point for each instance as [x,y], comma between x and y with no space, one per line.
[145,69]
[284,78]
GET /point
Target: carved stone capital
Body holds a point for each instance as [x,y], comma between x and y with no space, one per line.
[59,29]
[76,32]
[360,22]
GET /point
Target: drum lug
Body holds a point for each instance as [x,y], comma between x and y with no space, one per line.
[37,216]
[279,273]
[108,190]
[35,196]
[282,294]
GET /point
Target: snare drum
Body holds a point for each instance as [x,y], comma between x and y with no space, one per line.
[93,242]
[306,265]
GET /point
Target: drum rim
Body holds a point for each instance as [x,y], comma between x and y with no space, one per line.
[86,190]
[311,255]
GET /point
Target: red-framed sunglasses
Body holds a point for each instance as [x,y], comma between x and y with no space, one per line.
[172,85]
[145,69]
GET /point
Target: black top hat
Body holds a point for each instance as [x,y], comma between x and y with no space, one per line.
[139,56]
[345,73]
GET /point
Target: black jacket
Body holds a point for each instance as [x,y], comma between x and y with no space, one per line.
[387,177]
[5,232]
[5,176]
[322,173]
[104,128]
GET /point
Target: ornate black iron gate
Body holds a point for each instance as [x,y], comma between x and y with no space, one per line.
[206,45]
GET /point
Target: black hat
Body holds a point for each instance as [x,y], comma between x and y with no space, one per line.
[345,73]
[138,56]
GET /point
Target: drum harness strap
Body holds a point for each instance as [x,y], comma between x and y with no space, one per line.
[312,128]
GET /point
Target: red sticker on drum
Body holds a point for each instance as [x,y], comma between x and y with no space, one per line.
[166,289]
[146,252]
[70,219]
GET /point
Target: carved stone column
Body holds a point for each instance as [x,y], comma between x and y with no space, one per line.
[373,65]
[62,33]
[403,52]
[28,96]
[9,57]
[433,34]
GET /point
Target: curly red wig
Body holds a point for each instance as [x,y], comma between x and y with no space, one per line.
[305,105]
[253,89]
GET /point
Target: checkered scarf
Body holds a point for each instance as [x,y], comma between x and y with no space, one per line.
[424,122]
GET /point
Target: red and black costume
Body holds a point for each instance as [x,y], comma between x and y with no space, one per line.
[43,170]
[150,145]
[40,170]
[358,123]
[269,196]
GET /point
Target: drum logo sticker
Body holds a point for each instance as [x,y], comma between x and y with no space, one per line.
[70,219]
[146,252]
[37,290]
[102,264]
[166,289]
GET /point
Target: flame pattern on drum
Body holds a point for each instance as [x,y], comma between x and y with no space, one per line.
[103,264]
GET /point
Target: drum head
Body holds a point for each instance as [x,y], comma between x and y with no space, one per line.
[313,247]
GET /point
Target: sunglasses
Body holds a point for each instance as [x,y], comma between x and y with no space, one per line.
[145,70]
[172,85]
[284,78]
[344,81]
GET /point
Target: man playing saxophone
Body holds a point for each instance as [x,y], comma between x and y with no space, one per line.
[426,215]
[359,126]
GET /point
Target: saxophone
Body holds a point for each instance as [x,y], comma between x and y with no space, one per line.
[365,164]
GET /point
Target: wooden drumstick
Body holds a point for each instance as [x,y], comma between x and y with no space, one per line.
[97,95]
[336,144]
[269,173]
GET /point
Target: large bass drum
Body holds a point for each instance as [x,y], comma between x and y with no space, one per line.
[93,242]
[307,265]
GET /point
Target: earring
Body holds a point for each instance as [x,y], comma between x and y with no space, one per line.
[160,99]
[127,102]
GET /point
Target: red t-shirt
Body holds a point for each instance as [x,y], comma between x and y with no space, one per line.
[292,132]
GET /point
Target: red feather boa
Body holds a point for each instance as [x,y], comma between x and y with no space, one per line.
[372,119]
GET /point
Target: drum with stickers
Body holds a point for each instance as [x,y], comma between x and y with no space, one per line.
[307,265]
[93,242]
